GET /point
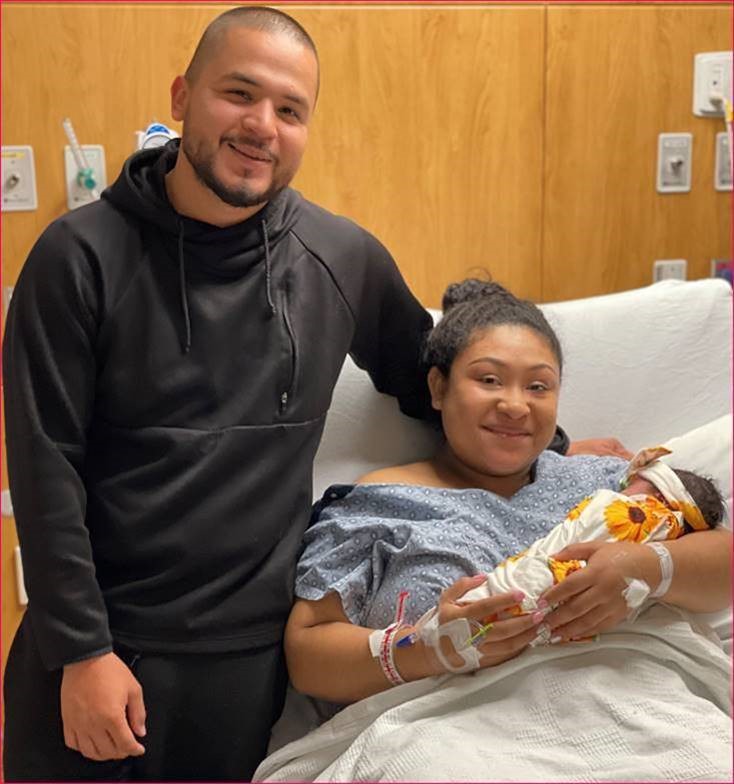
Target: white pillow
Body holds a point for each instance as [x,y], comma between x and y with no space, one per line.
[707,450]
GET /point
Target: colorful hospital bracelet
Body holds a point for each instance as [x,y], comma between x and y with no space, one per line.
[381,643]
[666,569]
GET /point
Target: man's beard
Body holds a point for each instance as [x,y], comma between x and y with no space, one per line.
[203,166]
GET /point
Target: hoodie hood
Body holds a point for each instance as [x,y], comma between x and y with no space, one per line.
[197,247]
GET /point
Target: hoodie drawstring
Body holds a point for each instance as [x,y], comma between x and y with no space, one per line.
[182,280]
[182,287]
[268,269]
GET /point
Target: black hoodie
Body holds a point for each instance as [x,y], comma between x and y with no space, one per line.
[166,383]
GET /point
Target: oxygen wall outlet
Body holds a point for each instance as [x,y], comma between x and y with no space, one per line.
[83,186]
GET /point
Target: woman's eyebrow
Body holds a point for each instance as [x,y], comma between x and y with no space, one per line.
[502,363]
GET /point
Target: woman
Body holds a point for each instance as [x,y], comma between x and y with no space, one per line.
[492,489]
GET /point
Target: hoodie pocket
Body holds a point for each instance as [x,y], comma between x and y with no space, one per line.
[291,372]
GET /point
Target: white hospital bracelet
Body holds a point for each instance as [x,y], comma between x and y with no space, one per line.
[666,569]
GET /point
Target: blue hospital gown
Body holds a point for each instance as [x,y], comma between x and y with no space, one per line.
[371,541]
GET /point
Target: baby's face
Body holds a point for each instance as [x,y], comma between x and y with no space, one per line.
[639,486]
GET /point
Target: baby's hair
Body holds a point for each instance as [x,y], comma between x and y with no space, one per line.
[473,306]
[704,492]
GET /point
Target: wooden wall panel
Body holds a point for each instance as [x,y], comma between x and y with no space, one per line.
[617,77]
[427,116]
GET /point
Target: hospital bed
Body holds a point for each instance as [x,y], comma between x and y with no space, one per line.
[647,366]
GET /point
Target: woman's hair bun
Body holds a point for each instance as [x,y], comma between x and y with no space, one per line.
[472,289]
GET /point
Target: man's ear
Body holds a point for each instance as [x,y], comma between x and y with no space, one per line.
[179,97]
[437,386]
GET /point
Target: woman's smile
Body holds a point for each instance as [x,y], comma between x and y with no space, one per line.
[506,432]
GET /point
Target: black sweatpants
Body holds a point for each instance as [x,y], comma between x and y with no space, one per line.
[208,716]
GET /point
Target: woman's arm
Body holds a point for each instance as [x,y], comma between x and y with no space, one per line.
[701,571]
[329,657]
[592,598]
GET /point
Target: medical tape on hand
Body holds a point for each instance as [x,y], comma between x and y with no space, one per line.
[637,589]
[458,632]
[634,595]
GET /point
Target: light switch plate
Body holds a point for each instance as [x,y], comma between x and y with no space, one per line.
[77,195]
[674,162]
[669,269]
[722,164]
[18,178]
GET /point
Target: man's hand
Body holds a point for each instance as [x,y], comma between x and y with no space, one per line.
[606,447]
[101,706]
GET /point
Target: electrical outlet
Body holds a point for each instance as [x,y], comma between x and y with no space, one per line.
[674,162]
[18,179]
[722,165]
[76,193]
[711,76]
[669,269]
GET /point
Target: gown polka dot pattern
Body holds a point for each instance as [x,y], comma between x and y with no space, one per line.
[369,542]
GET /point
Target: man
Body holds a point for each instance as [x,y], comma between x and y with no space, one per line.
[170,356]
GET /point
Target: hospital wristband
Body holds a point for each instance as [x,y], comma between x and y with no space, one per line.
[382,649]
[666,569]
[381,642]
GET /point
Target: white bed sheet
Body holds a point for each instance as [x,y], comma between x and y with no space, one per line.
[647,702]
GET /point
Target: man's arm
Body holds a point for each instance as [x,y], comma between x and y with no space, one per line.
[49,390]
[390,331]
[605,447]
[49,379]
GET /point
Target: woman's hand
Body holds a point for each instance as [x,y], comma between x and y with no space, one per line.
[591,599]
[505,639]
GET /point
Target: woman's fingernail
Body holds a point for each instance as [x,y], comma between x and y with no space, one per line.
[556,639]
[542,604]
[518,596]
[538,617]
[478,578]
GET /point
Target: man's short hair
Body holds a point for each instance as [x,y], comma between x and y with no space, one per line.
[269,20]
